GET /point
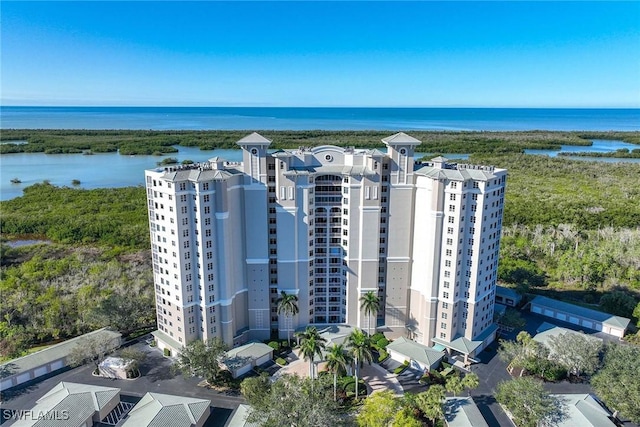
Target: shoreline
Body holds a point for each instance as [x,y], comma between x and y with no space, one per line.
[134,142]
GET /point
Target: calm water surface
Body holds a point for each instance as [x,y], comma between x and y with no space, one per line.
[270,118]
[114,170]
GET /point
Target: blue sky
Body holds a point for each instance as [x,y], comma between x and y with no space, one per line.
[442,54]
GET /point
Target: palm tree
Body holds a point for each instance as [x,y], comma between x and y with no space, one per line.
[471,381]
[360,348]
[454,385]
[370,303]
[431,402]
[337,361]
[311,344]
[287,305]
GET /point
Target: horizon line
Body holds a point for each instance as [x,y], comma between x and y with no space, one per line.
[328,107]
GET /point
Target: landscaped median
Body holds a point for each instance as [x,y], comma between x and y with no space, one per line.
[400,369]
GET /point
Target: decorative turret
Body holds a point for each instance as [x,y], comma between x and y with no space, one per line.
[400,148]
[254,148]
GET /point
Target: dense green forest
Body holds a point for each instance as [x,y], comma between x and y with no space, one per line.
[622,153]
[571,228]
[55,291]
[129,142]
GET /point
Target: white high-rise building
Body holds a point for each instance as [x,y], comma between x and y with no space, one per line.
[327,224]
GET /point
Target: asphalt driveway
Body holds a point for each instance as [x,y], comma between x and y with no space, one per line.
[156,377]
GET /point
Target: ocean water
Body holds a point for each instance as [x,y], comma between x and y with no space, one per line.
[272,118]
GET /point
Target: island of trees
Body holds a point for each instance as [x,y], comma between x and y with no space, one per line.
[129,142]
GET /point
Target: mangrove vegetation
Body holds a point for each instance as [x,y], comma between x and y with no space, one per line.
[571,230]
[129,142]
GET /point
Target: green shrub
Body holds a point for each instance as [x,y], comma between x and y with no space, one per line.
[382,355]
[274,345]
[284,344]
[377,337]
[280,361]
[400,369]
[166,352]
[425,379]
[436,377]
[382,343]
[555,373]
[344,381]
[350,388]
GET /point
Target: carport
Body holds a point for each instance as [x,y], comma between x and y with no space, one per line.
[241,360]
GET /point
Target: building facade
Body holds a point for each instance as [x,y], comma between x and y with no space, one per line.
[326,224]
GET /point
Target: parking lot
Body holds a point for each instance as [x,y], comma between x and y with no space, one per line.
[156,377]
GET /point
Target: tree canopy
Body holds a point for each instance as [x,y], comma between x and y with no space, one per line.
[578,353]
[617,383]
[528,402]
[292,401]
[202,358]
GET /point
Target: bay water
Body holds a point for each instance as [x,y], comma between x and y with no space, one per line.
[114,170]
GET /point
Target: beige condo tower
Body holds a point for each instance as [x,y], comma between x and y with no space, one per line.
[327,224]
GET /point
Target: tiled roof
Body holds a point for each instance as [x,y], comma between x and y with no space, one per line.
[165,410]
[599,316]
[254,138]
[78,401]
[465,345]
[584,411]
[547,330]
[463,412]
[401,138]
[458,174]
[415,351]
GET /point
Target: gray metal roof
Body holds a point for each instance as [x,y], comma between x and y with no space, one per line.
[167,339]
[547,330]
[196,174]
[415,351]
[78,401]
[239,418]
[165,410]
[459,173]
[401,138]
[53,353]
[465,345]
[599,316]
[241,356]
[508,292]
[584,411]
[254,138]
[463,412]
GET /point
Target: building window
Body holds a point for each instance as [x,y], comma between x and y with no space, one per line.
[452,197]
